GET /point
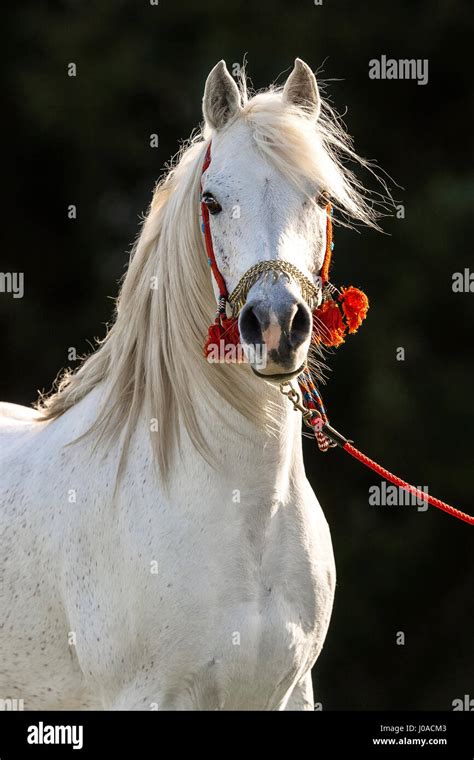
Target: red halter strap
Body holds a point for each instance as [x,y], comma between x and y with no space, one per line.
[329,246]
[206,228]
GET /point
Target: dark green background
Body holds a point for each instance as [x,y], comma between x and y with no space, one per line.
[141,70]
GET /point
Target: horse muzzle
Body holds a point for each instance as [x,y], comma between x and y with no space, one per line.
[276,333]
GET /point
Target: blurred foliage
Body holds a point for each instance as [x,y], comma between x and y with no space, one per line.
[85,141]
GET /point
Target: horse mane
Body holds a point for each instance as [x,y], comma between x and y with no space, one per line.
[150,363]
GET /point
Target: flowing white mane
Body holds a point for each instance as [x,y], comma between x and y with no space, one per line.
[150,364]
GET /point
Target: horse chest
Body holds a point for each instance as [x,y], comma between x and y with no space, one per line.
[247,612]
[219,608]
[260,647]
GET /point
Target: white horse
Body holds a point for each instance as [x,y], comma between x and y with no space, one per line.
[161,547]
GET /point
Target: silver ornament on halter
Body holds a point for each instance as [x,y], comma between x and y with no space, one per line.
[310,291]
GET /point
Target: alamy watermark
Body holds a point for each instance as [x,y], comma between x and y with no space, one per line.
[464,703]
[402,68]
[12,282]
[463,282]
[12,705]
[41,733]
[228,353]
[388,495]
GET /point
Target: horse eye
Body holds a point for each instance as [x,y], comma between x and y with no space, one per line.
[323,199]
[213,206]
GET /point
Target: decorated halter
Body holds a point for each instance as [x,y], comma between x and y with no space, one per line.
[335,312]
[339,312]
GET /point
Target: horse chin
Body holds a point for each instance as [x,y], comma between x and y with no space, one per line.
[279,377]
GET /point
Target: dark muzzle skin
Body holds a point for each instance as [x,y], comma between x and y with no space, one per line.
[283,327]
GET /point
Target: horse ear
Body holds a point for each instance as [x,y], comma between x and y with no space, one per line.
[301,89]
[221,100]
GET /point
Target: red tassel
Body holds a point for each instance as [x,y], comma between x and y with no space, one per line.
[214,334]
[231,330]
[355,305]
[225,329]
[328,326]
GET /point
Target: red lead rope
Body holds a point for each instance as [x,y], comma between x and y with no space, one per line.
[402,484]
[383,473]
[310,404]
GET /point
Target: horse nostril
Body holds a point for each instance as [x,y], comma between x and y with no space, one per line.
[250,326]
[300,326]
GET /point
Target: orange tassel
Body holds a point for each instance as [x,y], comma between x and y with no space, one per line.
[333,319]
[354,306]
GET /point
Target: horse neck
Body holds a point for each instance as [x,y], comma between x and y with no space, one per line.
[266,460]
